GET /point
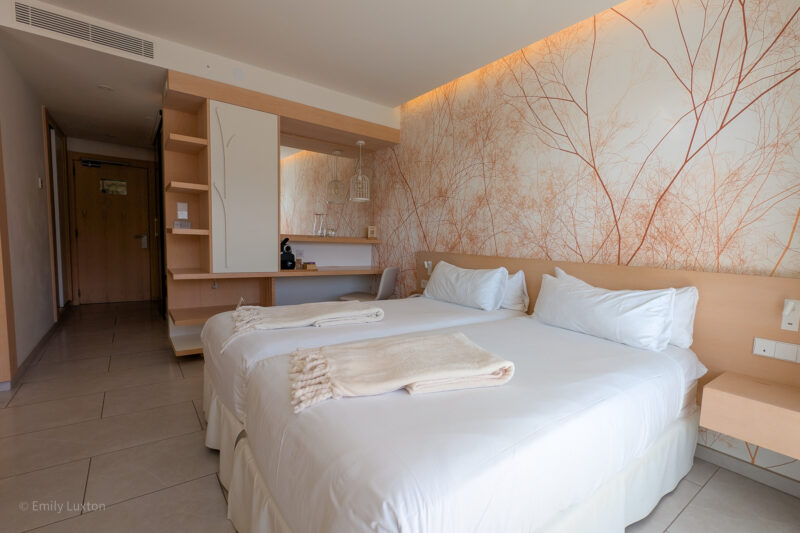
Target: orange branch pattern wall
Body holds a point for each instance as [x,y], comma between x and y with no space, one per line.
[655,133]
[304,181]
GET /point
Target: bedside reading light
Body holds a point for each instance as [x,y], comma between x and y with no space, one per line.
[790,318]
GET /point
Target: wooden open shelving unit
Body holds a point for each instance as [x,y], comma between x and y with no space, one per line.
[329,240]
[194,291]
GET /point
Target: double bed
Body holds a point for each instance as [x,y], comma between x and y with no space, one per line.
[587,436]
[226,372]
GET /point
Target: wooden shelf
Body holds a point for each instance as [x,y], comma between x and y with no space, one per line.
[187,144]
[186,187]
[191,316]
[754,410]
[189,344]
[184,274]
[330,240]
[181,231]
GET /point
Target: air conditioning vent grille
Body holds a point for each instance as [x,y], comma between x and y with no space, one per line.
[47,20]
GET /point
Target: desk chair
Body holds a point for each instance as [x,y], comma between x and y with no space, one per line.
[385,288]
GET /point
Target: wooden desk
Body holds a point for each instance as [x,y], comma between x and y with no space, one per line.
[754,410]
[192,316]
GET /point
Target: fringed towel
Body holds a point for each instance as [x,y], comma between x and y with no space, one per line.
[248,318]
[418,364]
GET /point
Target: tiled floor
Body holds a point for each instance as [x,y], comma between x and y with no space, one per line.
[108,418]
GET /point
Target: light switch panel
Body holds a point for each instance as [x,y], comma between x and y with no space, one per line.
[786,351]
[764,347]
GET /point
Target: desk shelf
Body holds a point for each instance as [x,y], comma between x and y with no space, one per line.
[329,240]
[182,274]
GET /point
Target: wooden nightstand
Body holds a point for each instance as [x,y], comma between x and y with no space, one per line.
[754,410]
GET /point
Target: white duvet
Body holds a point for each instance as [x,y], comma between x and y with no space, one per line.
[228,370]
[509,458]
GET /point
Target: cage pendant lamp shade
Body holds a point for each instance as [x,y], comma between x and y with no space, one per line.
[359,183]
[337,191]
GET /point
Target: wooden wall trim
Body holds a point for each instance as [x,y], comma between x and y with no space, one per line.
[47,122]
[733,308]
[375,134]
[8,339]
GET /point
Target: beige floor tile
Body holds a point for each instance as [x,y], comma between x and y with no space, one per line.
[55,355]
[42,449]
[133,399]
[191,365]
[42,497]
[730,503]
[198,406]
[145,344]
[667,510]
[6,395]
[133,472]
[196,506]
[132,360]
[50,390]
[701,472]
[46,370]
[38,416]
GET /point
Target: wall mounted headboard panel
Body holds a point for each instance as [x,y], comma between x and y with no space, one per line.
[732,310]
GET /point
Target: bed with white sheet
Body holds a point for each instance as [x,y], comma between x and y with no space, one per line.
[226,372]
[587,436]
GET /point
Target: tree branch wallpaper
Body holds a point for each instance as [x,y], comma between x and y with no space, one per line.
[659,133]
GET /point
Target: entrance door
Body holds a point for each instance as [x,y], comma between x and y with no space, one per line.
[112,232]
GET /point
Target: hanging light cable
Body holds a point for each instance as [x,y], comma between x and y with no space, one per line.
[359,183]
[337,191]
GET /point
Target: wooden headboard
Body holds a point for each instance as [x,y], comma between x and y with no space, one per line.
[733,308]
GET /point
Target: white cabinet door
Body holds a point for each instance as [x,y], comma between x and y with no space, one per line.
[244,189]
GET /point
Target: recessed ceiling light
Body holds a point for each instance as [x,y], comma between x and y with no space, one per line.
[105,88]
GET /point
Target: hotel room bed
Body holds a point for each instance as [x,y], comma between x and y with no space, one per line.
[225,373]
[588,433]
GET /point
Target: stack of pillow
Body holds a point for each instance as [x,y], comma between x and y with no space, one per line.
[651,320]
[489,289]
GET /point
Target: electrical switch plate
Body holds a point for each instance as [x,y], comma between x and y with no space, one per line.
[786,351]
[790,318]
[763,347]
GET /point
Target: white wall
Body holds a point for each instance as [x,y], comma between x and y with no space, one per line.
[176,56]
[87,146]
[29,235]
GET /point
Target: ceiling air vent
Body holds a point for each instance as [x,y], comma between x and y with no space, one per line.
[47,20]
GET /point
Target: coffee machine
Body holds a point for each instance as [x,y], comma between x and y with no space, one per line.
[287,257]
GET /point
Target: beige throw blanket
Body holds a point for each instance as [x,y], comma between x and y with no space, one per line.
[418,364]
[248,318]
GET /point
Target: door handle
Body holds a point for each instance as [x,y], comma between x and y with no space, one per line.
[143,237]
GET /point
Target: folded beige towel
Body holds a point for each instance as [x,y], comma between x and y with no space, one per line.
[248,318]
[419,364]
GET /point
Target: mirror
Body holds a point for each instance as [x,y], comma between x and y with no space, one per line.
[309,189]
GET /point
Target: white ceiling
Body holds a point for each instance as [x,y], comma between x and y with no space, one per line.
[66,77]
[384,51]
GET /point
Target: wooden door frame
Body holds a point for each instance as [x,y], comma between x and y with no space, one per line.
[47,123]
[74,158]
[8,339]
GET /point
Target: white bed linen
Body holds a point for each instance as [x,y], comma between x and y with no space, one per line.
[578,411]
[228,370]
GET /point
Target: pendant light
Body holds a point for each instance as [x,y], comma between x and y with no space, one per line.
[359,183]
[337,192]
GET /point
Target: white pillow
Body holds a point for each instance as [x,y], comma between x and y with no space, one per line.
[682,314]
[483,289]
[642,319]
[516,296]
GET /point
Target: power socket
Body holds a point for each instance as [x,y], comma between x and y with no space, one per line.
[764,347]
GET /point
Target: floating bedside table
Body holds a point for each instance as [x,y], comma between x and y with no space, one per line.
[754,410]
